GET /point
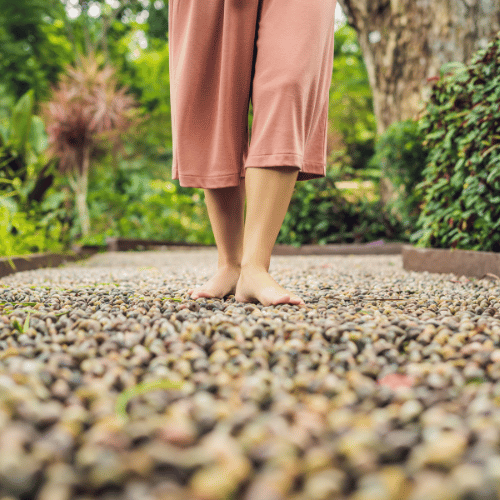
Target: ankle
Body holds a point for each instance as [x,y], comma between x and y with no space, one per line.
[253,267]
[229,266]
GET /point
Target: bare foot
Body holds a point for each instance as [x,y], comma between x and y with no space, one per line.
[256,284]
[220,285]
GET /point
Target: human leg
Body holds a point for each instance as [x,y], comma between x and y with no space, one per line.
[290,98]
[211,49]
[290,87]
[268,191]
[226,208]
[292,71]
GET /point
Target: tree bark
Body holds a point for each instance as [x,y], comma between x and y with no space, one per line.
[405,42]
[81,190]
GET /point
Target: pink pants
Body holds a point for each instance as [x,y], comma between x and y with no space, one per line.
[222,53]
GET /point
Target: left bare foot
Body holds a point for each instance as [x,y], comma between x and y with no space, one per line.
[220,285]
[256,283]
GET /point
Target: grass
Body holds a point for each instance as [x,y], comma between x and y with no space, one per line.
[24,328]
[127,394]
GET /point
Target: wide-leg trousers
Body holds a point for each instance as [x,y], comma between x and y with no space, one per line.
[278,54]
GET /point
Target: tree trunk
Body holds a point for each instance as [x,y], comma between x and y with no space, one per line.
[81,193]
[405,42]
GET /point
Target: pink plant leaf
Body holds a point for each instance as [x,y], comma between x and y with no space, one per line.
[86,103]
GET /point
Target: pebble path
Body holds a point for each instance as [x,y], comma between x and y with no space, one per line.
[385,387]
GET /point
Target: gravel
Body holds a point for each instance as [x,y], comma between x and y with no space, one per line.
[114,385]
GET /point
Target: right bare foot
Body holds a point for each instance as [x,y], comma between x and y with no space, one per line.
[220,285]
[257,284]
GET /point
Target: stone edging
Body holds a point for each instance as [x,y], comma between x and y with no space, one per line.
[39,260]
[471,263]
[375,248]
[347,249]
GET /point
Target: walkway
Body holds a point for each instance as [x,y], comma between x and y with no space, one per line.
[384,387]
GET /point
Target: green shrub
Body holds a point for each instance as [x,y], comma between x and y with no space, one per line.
[35,45]
[41,229]
[319,213]
[34,213]
[138,201]
[461,190]
[31,226]
[401,157]
[148,77]
[134,201]
[351,99]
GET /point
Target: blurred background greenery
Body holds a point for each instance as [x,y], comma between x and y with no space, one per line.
[128,189]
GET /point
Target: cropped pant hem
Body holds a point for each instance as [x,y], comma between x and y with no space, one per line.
[307,170]
[210,182]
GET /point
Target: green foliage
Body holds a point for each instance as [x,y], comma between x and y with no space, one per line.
[400,154]
[351,100]
[137,201]
[158,22]
[34,45]
[22,142]
[461,190]
[7,102]
[33,217]
[28,232]
[150,81]
[22,134]
[320,213]
[401,157]
[116,22]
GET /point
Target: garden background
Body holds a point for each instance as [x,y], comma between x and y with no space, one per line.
[86,145]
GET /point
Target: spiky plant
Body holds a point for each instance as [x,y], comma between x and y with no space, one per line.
[87,114]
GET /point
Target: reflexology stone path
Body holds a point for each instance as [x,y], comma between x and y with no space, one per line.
[115,386]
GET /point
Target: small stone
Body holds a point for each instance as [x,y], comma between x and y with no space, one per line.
[219,357]
[430,484]
[325,484]
[107,469]
[445,451]
[55,492]
[180,432]
[469,479]
[271,484]
[395,480]
[317,459]
[213,483]
[60,389]
[410,410]
[139,462]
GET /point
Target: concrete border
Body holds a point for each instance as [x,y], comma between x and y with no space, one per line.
[40,260]
[125,244]
[347,249]
[470,263]
[375,248]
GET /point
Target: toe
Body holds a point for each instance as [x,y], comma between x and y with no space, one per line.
[283,299]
